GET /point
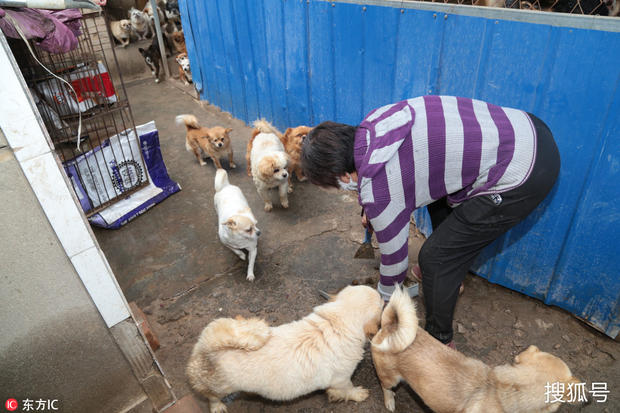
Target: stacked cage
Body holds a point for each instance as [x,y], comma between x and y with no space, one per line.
[83,104]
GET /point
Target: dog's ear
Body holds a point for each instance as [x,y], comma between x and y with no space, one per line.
[371,328]
[265,167]
[228,130]
[231,223]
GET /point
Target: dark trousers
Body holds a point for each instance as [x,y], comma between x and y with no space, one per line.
[460,234]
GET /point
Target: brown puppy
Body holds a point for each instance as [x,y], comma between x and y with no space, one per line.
[178,39]
[448,381]
[213,142]
[292,140]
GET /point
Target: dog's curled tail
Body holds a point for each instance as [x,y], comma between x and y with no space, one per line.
[399,324]
[221,179]
[189,121]
[234,333]
[263,126]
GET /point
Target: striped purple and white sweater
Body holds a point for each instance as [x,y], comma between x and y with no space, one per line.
[411,153]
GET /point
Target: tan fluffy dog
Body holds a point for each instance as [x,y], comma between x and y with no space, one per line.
[268,163]
[292,140]
[317,352]
[448,381]
[213,142]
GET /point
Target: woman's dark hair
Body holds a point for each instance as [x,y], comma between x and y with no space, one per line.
[327,153]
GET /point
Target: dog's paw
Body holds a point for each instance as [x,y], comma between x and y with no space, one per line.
[233,165]
[303,179]
[268,207]
[217,407]
[358,394]
[156,80]
[290,189]
[202,163]
[388,399]
[250,277]
[284,203]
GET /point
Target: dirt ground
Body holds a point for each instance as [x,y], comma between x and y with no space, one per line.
[171,263]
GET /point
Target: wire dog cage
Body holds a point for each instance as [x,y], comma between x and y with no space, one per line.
[104,163]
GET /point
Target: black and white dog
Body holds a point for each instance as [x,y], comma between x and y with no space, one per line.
[152,57]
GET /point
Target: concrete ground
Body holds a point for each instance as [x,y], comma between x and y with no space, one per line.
[171,263]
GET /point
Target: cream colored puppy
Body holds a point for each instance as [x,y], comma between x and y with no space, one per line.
[236,223]
[317,352]
[268,163]
[121,30]
[448,381]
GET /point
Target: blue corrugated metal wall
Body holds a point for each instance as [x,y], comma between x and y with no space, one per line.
[302,62]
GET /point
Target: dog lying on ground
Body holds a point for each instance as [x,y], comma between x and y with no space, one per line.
[185,73]
[267,163]
[317,352]
[140,23]
[213,142]
[292,140]
[236,223]
[448,381]
[121,30]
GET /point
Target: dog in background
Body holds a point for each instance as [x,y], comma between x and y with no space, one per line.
[178,40]
[236,224]
[447,381]
[212,142]
[185,73]
[320,351]
[267,163]
[292,140]
[140,24]
[172,12]
[152,57]
[121,30]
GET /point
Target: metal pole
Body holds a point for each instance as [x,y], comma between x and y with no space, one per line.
[160,39]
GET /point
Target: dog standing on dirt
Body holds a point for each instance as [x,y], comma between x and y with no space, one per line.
[152,58]
[213,142]
[447,381]
[292,140]
[320,351]
[236,223]
[267,163]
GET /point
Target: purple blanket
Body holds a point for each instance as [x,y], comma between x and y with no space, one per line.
[55,31]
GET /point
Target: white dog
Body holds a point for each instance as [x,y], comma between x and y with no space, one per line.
[320,351]
[139,23]
[268,162]
[236,223]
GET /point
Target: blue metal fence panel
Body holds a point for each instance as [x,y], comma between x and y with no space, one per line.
[302,62]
